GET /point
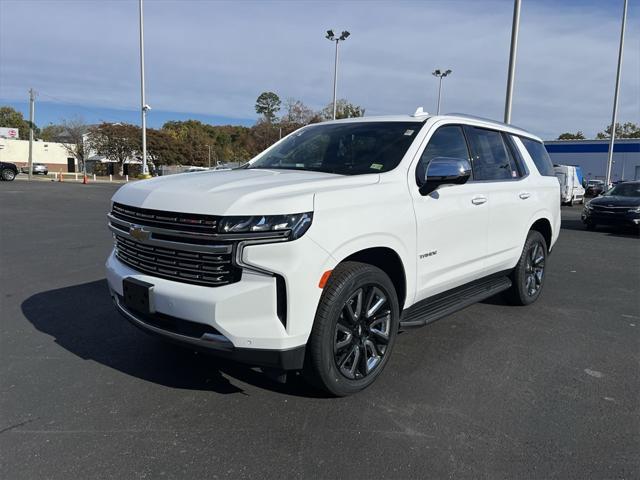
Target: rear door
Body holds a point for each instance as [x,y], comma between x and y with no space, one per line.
[511,198]
[451,222]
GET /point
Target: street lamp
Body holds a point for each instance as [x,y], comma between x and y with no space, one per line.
[331,36]
[144,108]
[440,74]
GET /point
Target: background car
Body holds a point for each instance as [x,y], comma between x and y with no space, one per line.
[620,206]
[594,188]
[8,171]
[38,169]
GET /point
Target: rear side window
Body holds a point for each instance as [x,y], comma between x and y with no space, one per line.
[539,156]
[492,160]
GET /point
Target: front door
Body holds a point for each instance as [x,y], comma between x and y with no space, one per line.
[71,165]
[451,221]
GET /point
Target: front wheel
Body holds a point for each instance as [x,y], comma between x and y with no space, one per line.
[8,174]
[354,330]
[528,275]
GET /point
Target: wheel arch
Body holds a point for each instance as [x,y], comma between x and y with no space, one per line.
[543,225]
[387,260]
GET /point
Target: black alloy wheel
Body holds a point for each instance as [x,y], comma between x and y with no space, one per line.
[362,332]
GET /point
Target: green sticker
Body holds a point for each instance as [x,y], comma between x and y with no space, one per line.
[377,166]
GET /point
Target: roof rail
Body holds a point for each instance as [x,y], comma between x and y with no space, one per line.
[485,119]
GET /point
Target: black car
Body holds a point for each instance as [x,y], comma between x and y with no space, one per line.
[594,188]
[8,171]
[619,206]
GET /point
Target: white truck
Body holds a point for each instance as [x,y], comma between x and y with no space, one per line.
[571,189]
[314,254]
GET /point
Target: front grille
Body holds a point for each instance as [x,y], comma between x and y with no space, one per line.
[610,210]
[198,268]
[185,222]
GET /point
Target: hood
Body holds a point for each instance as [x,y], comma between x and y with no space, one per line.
[616,201]
[236,192]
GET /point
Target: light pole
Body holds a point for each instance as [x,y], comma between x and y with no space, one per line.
[515,28]
[440,74]
[331,36]
[615,96]
[143,105]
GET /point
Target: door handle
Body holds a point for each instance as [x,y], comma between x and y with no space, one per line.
[524,195]
[479,200]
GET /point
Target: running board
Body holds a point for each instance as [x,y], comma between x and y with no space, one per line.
[438,306]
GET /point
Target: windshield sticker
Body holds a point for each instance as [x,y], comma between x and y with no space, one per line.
[409,132]
[377,166]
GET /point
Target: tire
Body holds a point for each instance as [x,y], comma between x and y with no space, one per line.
[8,175]
[590,225]
[528,275]
[349,347]
[572,202]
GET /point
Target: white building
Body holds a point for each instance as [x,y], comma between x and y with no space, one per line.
[52,154]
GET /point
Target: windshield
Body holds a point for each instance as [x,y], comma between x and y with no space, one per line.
[625,190]
[596,182]
[346,148]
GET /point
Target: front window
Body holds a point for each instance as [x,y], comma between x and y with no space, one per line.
[625,190]
[345,149]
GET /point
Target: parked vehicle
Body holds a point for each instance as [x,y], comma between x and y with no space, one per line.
[620,206]
[38,169]
[594,188]
[571,189]
[314,254]
[8,171]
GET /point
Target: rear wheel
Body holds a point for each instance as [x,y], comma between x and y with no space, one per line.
[8,174]
[528,275]
[354,330]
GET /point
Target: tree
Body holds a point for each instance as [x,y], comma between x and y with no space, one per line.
[10,117]
[116,141]
[72,137]
[268,104]
[625,130]
[572,136]
[344,109]
[51,133]
[297,112]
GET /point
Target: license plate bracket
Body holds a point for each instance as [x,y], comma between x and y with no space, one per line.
[138,295]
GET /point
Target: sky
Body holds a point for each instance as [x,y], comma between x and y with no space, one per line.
[209,60]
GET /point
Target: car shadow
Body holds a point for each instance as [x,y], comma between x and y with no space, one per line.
[576,224]
[82,320]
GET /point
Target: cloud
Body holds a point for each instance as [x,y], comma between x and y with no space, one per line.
[215,58]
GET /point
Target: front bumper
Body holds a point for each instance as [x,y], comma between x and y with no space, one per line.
[215,343]
[621,219]
[244,320]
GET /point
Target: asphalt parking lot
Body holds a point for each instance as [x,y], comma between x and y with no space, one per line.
[494,391]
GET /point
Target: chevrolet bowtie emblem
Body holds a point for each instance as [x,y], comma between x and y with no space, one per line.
[139,233]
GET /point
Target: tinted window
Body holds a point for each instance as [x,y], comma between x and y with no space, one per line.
[539,155]
[445,142]
[491,157]
[344,148]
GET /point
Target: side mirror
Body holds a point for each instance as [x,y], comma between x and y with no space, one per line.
[445,171]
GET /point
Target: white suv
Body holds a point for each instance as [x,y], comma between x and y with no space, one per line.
[314,254]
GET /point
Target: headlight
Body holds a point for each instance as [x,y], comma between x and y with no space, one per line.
[634,210]
[587,207]
[297,224]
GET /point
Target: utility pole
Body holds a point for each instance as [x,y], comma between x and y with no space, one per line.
[515,27]
[209,148]
[32,118]
[614,115]
[143,104]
